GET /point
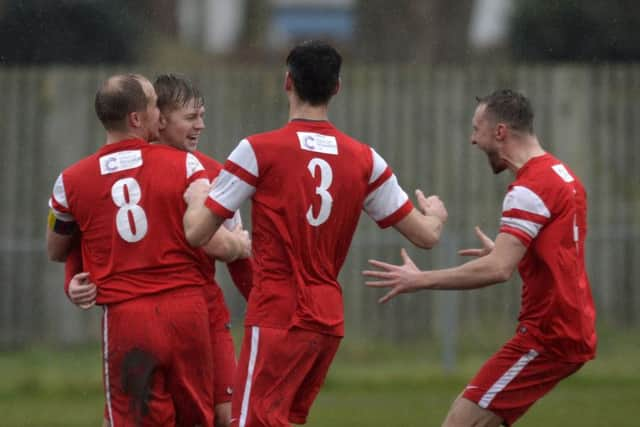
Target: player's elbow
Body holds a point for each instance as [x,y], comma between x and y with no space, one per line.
[194,238]
[502,273]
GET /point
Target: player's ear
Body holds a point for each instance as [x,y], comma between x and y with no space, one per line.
[338,86]
[134,119]
[162,120]
[501,131]
[288,82]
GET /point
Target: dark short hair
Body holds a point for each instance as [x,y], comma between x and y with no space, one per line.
[118,96]
[511,107]
[314,67]
[175,91]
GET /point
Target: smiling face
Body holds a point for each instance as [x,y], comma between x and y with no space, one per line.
[484,135]
[182,126]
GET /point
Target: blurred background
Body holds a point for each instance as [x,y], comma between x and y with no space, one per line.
[411,71]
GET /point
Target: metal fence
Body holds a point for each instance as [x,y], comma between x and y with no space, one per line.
[417,117]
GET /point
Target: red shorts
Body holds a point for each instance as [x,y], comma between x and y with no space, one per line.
[224,353]
[157,360]
[279,375]
[515,377]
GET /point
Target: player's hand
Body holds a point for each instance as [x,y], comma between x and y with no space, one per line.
[82,292]
[400,278]
[432,206]
[487,245]
[197,192]
[243,242]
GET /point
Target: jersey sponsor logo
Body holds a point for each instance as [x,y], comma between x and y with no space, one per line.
[318,143]
[562,172]
[120,161]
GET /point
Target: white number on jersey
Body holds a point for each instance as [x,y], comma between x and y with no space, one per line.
[326,177]
[123,225]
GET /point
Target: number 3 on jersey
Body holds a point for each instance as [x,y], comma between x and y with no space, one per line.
[326,201]
[131,221]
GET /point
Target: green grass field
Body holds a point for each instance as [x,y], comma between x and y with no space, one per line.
[368,386]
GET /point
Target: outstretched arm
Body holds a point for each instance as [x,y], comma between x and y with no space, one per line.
[495,267]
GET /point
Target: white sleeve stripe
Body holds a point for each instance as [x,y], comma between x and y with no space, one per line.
[244,156]
[59,193]
[193,165]
[385,200]
[379,166]
[61,215]
[230,191]
[529,227]
[524,199]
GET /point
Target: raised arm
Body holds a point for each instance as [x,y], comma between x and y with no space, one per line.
[423,227]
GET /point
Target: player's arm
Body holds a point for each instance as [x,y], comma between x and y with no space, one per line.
[423,226]
[200,224]
[495,267]
[59,237]
[209,206]
[241,272]
[73,264]
[229,245]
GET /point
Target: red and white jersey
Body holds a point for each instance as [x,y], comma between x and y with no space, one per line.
[127,200]
[546,208]
[308,183]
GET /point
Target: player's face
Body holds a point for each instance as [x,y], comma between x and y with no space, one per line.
[483,135]
[182,127]
[151,117]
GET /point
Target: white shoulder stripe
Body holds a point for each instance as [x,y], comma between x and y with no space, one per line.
[193,165]
[526,200]
[59,193]
[385,200]
[244,156]
[379,166]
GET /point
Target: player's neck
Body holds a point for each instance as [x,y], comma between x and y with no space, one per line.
[113,137]
[523,151]
[298,110]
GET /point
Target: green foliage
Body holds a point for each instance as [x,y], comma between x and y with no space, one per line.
[571,30]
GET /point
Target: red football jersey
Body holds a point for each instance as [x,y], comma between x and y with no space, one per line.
[127,200]
[546,208]
[309,183]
